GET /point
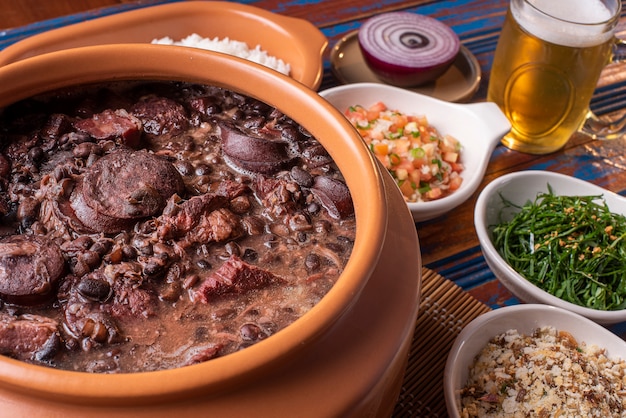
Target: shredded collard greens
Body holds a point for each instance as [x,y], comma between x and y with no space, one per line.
[573,247]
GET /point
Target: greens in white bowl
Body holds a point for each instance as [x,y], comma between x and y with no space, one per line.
[503,199]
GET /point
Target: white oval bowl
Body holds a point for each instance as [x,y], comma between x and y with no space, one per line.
[519,188]
[479,127]
[525,319]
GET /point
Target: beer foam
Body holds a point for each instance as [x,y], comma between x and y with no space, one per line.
[580,25]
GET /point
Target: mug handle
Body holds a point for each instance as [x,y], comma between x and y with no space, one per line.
[598,128]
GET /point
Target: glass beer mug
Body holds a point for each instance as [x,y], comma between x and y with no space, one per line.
[546,66]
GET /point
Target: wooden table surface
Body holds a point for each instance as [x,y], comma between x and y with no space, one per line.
[449,244]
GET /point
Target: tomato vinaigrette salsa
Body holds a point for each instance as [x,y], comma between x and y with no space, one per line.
[425,164]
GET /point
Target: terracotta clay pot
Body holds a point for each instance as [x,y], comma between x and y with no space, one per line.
[345,357]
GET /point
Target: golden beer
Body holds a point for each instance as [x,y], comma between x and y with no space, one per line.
[543,78]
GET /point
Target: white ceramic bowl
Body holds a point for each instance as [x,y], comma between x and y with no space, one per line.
[478,126]
[524,318]
[519,188]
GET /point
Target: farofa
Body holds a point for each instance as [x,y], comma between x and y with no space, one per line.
[547,374]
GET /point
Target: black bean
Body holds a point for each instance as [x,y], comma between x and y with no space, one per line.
[78,267]
[251,332]
[250,255]
[83,242]
[238,115]
[129,252]
[253,225]
[59,173]
[102,246]
[301,176]
[259,107]
[184,168]
[290,133]
[203,170]
[94,289]
[203,264]
[154,268]
[83,150]
[338,248]
[254,122]
[91,258]
[313,208]
[213,109]
[312,262]
[66,186]
[28,211]
[36,154]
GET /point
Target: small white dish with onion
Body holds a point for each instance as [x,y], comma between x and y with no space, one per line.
[563,249]
[551,372]
[477,129]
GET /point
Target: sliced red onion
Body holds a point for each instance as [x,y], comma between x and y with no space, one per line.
[407,49]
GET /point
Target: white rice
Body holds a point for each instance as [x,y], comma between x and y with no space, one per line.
[231,47]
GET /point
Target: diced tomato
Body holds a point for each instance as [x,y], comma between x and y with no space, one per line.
[406,188]
[434,193]
[402,147]
[456,168]
[375,109]
[450,157]
[419,162]
[455,182]
[399,120]
[411,149]
[415,176]
[381,148]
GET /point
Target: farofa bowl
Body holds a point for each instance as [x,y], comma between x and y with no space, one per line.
[296,41]
[519,188]
[525,319]
[279,375]
[478,127]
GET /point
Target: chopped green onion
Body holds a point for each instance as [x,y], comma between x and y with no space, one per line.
[417,153]
[424,187]
[573,247]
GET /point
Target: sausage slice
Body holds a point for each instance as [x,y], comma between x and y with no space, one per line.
[30,268]
[122,188]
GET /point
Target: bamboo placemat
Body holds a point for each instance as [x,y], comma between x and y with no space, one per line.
[444,310]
